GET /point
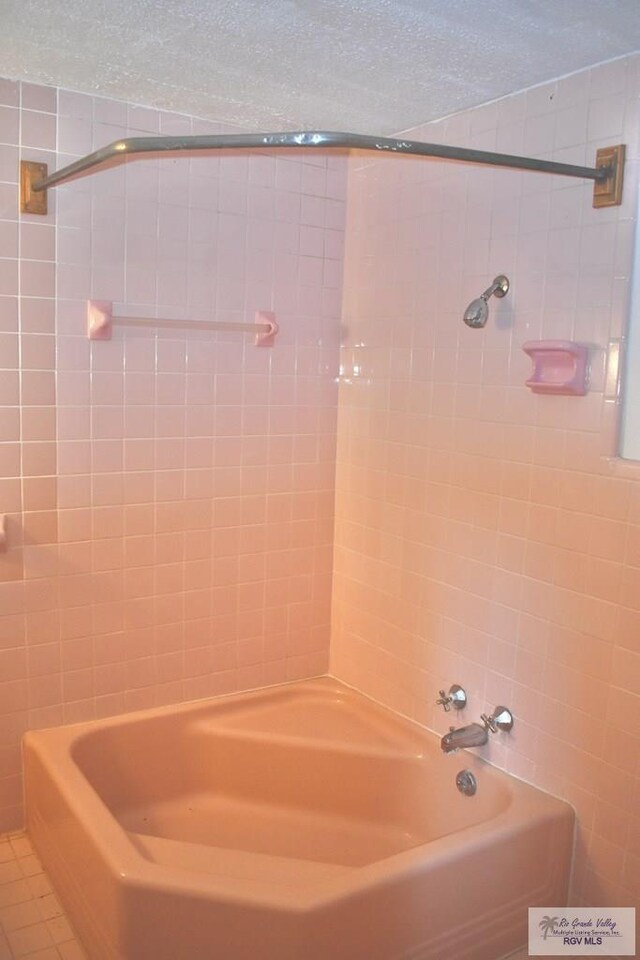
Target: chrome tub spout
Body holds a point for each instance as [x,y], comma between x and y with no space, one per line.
[476,734]
[473,735]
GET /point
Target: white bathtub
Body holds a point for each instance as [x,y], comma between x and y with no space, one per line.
[300,822]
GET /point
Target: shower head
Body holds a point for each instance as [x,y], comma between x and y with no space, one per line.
[477,312]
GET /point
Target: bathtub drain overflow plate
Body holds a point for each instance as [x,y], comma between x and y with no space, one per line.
[466,783]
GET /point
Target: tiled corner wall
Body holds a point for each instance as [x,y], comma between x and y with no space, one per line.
[481,536]
[169,494]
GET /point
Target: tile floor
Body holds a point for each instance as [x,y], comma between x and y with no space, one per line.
[33,925]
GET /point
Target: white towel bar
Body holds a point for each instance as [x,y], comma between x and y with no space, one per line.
[100,320]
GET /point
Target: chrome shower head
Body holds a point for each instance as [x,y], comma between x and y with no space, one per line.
[477,312]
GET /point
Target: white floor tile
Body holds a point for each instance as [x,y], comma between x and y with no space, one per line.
[33,925]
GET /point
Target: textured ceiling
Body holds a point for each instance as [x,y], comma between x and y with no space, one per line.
[376,66]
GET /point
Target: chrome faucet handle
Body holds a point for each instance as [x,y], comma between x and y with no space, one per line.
[500,719]
[444,701]
[456,698]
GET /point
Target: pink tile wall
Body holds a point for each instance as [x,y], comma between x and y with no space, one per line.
[29,666]
[481,535]
[170,494]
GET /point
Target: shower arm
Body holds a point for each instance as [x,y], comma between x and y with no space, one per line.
[499,288]
[35,181]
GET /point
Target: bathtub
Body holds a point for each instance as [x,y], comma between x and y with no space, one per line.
[300,822]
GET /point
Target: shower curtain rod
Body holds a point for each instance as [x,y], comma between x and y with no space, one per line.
[35,180]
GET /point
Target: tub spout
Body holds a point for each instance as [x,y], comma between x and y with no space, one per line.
[472,735]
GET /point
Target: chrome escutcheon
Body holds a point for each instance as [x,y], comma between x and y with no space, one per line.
[466,783]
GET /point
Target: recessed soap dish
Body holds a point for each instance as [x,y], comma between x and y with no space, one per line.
[559,367]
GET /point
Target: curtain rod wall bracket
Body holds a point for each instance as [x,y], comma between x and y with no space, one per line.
[35,182]
[607,192]
[33,200]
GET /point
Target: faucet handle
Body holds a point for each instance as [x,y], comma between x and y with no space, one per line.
[500,719]
[456,698]
[444,701]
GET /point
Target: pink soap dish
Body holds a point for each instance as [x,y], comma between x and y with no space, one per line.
[559,367]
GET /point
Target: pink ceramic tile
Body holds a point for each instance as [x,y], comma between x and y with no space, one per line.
[36,278]
[8,239]
[38,97]
[76,105]
[8,277]
[9,168]
[74,134]
[37,241]
[36,315]
[38,130]
[37,388]
[9,125]
[38,352]
[9,92]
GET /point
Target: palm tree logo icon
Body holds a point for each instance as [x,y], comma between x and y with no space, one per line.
[548,925]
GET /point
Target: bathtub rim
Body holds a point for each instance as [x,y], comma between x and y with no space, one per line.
[53,748]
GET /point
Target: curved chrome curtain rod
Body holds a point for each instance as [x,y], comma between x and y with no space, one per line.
[132,146]
[35,180]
